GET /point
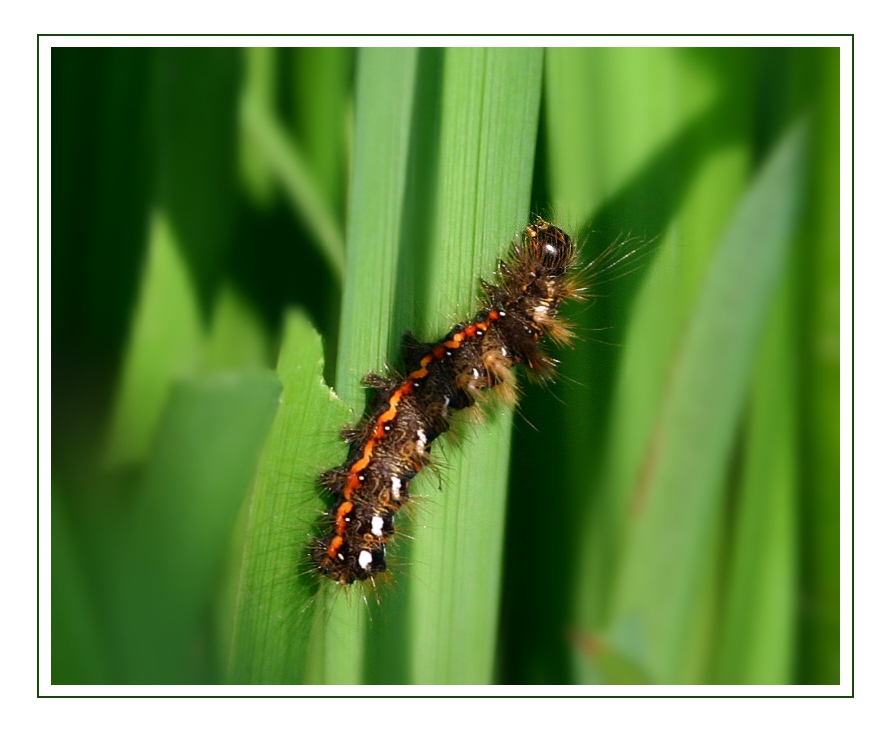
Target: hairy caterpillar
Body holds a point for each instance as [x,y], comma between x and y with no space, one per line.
[392,443]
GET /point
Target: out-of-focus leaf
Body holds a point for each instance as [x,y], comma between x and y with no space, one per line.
[259,90]
[757,639]
[821,419]
[195,118]
[237,338]
[608,114]
[678,494]
[597,662]
[320,99]
[165,343]
[166,556]
[79,652]
[281,156]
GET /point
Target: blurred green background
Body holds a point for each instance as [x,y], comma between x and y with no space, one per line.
[668,509]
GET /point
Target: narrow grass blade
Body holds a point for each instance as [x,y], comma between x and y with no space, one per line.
[490,108]
[678,495]
[384,97]
[272,586]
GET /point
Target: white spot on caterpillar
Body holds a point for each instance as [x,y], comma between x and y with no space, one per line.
[377,525]
[422,439]
[396,488]
[365,559]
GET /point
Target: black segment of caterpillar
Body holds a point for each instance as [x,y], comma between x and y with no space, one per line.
[392,443]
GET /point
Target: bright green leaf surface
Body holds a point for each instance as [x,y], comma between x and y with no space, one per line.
[489,116]
[272,584]
[384,96]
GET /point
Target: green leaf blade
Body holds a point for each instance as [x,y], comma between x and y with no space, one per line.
[272,586]
[490,107]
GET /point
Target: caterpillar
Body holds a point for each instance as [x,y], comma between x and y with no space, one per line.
[391,445]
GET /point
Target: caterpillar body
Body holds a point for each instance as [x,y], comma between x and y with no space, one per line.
[391,445]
